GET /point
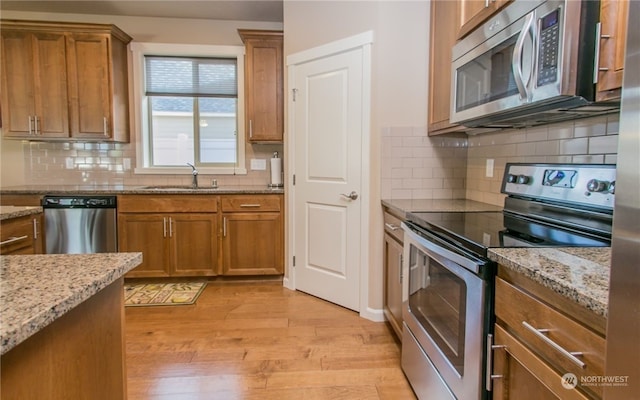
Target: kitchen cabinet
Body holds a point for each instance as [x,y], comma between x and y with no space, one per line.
[264,85]
[21,235]
[444,14]
[393,249]
[253,235]
[535,333]
[613,33]
[64,81]
[177,234]
[472,13]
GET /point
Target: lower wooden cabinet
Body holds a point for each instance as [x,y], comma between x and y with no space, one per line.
[393,249]
[186,235]
[21,235]
[252,239]
[538,341]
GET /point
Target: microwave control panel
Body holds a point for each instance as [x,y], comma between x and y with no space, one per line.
[549,28]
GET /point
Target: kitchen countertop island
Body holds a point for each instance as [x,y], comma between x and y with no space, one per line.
[62,325]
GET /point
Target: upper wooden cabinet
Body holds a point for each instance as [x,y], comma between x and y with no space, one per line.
[474,12]
[444,15]
[613,33]
[64,81]
[264,85]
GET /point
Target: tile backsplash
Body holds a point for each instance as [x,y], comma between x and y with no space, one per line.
[93,164]
[415,165]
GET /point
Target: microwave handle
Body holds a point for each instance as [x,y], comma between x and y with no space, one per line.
[516,61]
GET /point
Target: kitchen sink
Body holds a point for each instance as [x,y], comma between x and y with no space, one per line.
[173,187]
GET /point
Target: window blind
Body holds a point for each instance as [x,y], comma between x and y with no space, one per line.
[193,77]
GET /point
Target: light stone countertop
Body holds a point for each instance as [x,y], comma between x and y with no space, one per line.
[136,189]
[579,274]
[403,206]
[9,212]
[35,290]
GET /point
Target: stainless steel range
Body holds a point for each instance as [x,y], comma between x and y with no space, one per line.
[448,307]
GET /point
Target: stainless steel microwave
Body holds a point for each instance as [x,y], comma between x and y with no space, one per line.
[532,63]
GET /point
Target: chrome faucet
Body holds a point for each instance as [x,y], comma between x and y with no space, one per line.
[194,183]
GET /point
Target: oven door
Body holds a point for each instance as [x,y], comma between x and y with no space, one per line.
[444,311]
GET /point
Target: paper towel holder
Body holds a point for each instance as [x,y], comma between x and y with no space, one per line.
[276,185]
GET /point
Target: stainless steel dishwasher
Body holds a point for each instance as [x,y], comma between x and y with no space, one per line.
[80,224]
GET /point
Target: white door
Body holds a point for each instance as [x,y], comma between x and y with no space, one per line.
[327,128]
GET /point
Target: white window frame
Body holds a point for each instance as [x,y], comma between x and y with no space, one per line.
[141,120]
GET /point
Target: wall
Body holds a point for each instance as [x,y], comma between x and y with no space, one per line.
[111,164]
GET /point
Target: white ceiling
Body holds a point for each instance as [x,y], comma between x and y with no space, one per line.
[238,10]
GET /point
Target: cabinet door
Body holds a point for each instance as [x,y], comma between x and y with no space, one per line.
[522,375]
[89,86]
[252,244]
[194,245]
[393,283]
[472,13]
[147,233]
[613,19]
[444,14]
[19,236]
[264,99]
[34,82]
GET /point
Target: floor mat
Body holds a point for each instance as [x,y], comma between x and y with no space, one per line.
[162,294]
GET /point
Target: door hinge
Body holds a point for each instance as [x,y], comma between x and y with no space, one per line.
[294,261]
[294,179]
[294,92]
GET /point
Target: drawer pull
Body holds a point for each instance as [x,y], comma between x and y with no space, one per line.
[540,333]
[489,363]
[249,205]
[13,239]
[392,227]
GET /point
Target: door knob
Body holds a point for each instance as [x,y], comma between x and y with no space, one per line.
[352,196]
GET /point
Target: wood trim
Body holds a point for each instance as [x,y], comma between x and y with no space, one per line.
[31,25]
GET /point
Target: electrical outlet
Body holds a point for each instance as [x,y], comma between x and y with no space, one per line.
[489,168]
[258,164]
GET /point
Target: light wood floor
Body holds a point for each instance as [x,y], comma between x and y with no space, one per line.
[260,341]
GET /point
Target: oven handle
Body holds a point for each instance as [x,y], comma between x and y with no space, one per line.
[435,245]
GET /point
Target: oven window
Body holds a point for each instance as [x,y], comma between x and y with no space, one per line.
[437,298]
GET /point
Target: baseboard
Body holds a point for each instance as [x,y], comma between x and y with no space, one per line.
[373,314]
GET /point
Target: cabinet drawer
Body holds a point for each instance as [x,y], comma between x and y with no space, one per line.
[17,236]
[167,203]
[523,315]
[248,203]
[392,226]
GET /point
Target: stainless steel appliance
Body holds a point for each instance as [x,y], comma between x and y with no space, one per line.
[532,63]
[623,323]
[448,296]
[80,224]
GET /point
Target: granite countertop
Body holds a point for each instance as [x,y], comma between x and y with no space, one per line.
[35,290]
[137,189]
[403,206]
[8,212]
[580,274]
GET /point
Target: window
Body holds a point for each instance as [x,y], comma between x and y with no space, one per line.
[189,108]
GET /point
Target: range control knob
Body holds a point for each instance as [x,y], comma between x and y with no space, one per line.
[523,179]
[612,187]
[511,178]
[595,185]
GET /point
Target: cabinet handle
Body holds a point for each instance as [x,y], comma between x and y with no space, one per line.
[392,227]
[250,129]
[35,228]
[489,363]
[37,125]
[250,205]
[596,58]
[13,239]
[224,226]
[571,355]
[164,227]
[105,126]
[170,227]
[400,260]
[30,125]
